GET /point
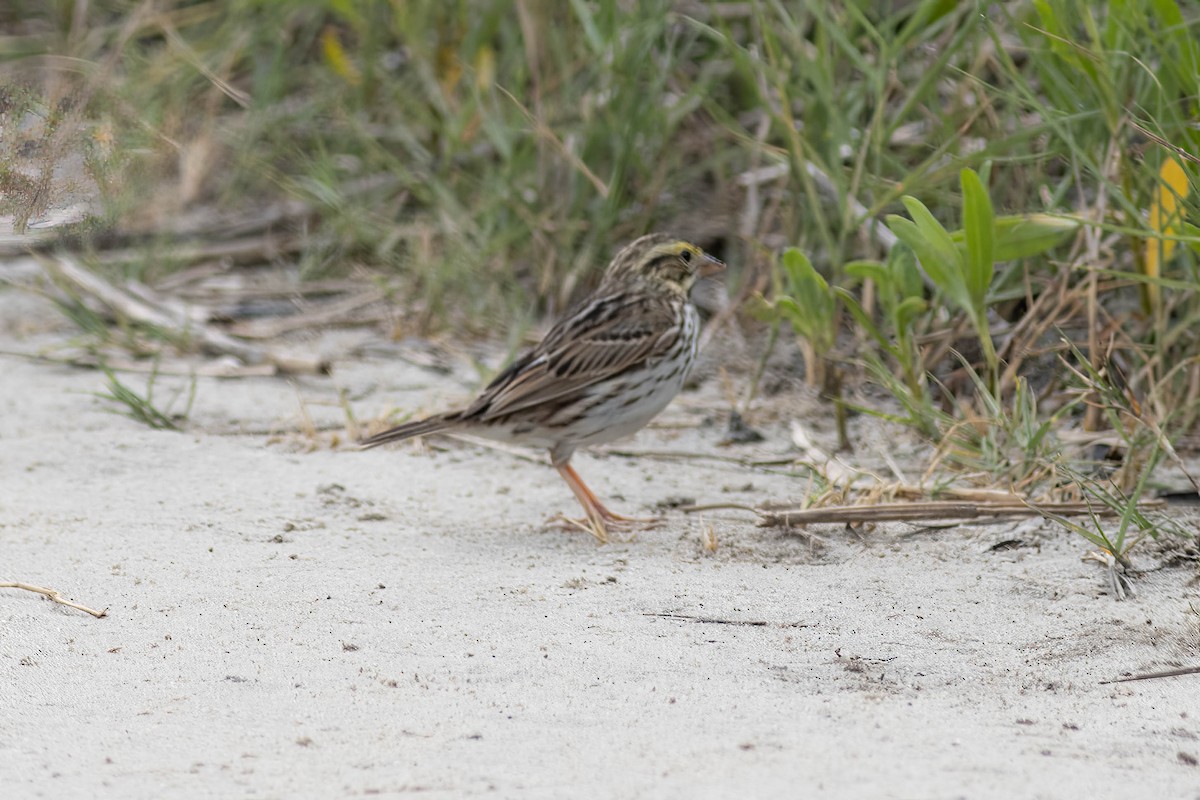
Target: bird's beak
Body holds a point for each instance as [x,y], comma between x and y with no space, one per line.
[710,266]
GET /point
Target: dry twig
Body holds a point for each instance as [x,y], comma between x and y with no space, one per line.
[932,510]
[1170,673]
[55,596]
[709,620]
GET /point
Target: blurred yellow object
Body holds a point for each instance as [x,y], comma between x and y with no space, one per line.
[485,68]
[336,58]
[1165,218]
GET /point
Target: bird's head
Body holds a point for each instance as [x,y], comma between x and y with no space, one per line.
[663,262]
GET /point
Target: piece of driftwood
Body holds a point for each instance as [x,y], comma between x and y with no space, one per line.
[208,292]
[44,231]
[221,367]
[332,313]
[20,270]
[199,223]
[933,510]
[247,250]
[53,595]
[144,307]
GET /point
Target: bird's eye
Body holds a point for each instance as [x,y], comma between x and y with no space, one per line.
[686,256]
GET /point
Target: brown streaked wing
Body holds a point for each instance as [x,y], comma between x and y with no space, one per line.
[608,336]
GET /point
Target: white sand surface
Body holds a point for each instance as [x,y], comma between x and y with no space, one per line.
[291,620]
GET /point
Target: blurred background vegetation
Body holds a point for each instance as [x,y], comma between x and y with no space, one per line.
[990,204]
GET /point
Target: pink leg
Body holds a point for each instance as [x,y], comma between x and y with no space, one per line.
[598,516]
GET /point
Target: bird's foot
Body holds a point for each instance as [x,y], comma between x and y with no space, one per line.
[595,527]
[599,523]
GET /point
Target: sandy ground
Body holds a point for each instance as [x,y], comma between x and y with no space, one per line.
[286,619]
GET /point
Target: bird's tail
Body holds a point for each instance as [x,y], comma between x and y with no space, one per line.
[408,430]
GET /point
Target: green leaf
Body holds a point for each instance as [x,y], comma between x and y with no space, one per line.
[1060,40]
[906,274]
[1192,231]
[788,309]
[802,273]
[979,227]
[909,309]
[927,13]
[1175,29]
[587,21]
[864,320]
[942,267]
[811,305]
[867,271]
[932,230]
[1024,235]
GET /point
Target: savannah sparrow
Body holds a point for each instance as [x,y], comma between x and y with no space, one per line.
[601,373]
